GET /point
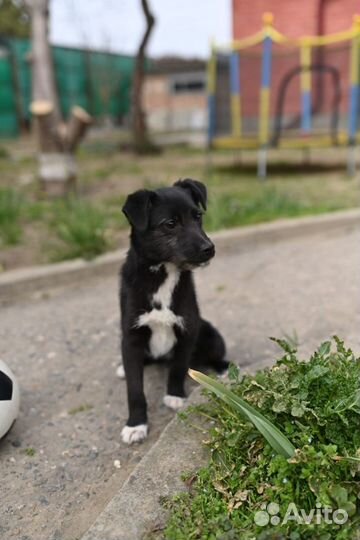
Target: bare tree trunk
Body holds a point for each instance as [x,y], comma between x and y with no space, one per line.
[57,140]
[43,78]
[139,126]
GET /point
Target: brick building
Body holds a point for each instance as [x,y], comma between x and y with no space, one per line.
[294,17]
[175,95]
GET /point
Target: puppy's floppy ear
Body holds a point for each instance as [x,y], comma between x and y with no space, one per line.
[137,208]
[196,189]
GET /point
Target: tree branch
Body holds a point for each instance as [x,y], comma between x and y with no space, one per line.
[150,21]
[141,142]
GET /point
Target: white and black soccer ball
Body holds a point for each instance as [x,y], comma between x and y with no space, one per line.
[9,398]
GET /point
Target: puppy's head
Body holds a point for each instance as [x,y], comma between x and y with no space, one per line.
[167,224]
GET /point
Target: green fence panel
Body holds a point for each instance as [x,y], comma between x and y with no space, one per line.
[71,78]
[99,82]
[8,112]
[20,50]
[110,84]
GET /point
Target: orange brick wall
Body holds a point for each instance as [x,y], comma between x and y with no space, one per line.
[339,14]
[293,17]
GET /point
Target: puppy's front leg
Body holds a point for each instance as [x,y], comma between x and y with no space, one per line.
[179,365]
[136,427]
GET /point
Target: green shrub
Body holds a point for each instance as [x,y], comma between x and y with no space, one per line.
[82,228]
[277,440]
[316,404]
[10,213]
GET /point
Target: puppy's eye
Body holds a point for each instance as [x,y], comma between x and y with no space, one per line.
[170,224]
[198,216]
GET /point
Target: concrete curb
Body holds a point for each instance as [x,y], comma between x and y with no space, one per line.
[284,229]
[136,509]
[37,282]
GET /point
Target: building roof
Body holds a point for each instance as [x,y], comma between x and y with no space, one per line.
[167,65]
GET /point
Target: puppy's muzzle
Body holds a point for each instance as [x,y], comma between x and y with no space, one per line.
[204,252]
[207,250]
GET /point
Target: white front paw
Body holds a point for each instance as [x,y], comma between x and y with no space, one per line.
[131,434]
[174,402]
[120,371]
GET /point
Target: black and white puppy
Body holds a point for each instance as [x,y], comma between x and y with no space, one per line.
[160,317]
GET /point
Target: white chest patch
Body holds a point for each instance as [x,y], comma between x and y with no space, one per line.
[162,321]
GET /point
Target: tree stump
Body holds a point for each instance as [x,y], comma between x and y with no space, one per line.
[57,144]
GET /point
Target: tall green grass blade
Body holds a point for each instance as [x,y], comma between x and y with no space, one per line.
[271,433]
[11,204]
[82,227]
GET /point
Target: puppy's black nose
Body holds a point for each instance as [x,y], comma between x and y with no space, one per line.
[207,249]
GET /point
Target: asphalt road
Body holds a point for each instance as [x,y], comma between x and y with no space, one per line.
[64,459]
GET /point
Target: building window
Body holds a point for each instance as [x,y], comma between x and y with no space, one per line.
[191,83]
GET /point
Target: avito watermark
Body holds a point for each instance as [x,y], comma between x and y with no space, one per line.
[269,514]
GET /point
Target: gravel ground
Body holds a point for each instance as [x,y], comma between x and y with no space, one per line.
[63,460]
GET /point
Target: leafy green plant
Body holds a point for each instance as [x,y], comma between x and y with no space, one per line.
[10,213]
[82,228]
[316,404]
[274,437]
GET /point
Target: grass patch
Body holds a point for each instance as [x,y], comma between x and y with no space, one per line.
[102,148]
[316,404]
[4,153]
[37,210]
[48,230]
[233,209]
[286,169]
[82,229]
[10,214]
[103,172]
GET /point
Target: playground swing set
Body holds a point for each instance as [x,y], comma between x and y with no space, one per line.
[270,91]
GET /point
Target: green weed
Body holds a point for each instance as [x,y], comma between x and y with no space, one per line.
[316,404]
[10,214]
[82,228]
[4,153]
[81,408]
[30,452]
[234,209]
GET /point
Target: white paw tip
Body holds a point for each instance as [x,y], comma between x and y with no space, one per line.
[224,374]
[174,402]
[132,434]
[120,372]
